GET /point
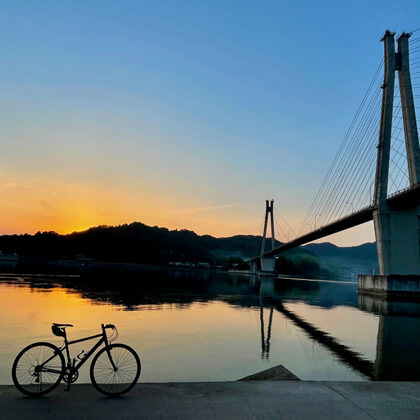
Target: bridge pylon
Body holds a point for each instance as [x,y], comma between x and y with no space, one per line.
[267,264]
[397,227]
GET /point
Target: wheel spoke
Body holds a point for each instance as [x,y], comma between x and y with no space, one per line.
[28,375]
[110,381]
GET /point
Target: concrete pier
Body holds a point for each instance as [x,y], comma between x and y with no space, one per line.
[223,400]
[390,285]
[267,266]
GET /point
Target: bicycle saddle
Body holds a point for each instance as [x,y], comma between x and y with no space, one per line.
[59,329]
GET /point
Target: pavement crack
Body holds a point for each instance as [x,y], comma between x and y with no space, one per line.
[350,401]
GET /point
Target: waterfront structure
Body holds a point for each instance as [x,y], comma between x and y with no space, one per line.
[267,265]
[396,217]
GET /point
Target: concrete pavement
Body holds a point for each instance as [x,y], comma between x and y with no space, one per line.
[223,400]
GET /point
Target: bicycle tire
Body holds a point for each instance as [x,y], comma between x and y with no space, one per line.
[23,369]
[110,382]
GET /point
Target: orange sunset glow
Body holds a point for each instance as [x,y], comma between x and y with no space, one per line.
[209,210]
[44,204]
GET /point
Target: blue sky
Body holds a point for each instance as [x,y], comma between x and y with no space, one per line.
[181,114]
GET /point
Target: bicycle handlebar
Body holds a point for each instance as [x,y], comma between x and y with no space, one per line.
[108,326]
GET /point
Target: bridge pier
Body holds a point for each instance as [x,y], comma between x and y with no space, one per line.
[390,286]
[268,266]
[398,241]
[398,245]
[397,228]
[265,265]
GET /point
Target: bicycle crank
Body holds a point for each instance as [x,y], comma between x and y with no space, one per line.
[70,375]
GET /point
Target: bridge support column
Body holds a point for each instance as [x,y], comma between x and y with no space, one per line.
[397,229]
[268,266]
[398,241]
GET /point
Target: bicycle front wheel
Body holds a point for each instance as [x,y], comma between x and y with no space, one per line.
[38,369]
[118,376]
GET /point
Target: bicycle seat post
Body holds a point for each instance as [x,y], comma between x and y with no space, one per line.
[69,363]
[67,346]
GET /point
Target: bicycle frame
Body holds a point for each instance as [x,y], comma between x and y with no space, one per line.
[103,340]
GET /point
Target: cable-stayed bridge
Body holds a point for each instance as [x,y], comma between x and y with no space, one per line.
[374,176]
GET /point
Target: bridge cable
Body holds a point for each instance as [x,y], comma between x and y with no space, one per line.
[350,149]
[326,184]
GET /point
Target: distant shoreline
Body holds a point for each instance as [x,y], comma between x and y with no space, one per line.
[71,267]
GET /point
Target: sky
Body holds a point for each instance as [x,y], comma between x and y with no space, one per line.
[180,114]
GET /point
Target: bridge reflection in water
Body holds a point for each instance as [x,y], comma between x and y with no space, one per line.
[398,345]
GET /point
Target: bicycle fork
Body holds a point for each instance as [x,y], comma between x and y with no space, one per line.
[110,359]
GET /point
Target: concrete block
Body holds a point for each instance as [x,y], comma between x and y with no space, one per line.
[392,285]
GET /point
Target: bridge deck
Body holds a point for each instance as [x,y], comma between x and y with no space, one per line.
[354,219]
[403,199]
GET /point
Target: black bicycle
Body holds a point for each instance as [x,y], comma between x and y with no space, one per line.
[40,367]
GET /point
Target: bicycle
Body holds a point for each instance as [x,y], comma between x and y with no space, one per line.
[40,367]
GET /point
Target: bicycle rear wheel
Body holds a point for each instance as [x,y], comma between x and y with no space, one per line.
[110,381]
[38,369]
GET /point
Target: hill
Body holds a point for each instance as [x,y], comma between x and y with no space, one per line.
[327,249]
[135,242]
[139,243]
[346,262]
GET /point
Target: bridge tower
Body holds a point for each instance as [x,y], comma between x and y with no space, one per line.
[268,264]
[397,227]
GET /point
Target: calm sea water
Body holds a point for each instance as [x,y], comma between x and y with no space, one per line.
[211,326]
